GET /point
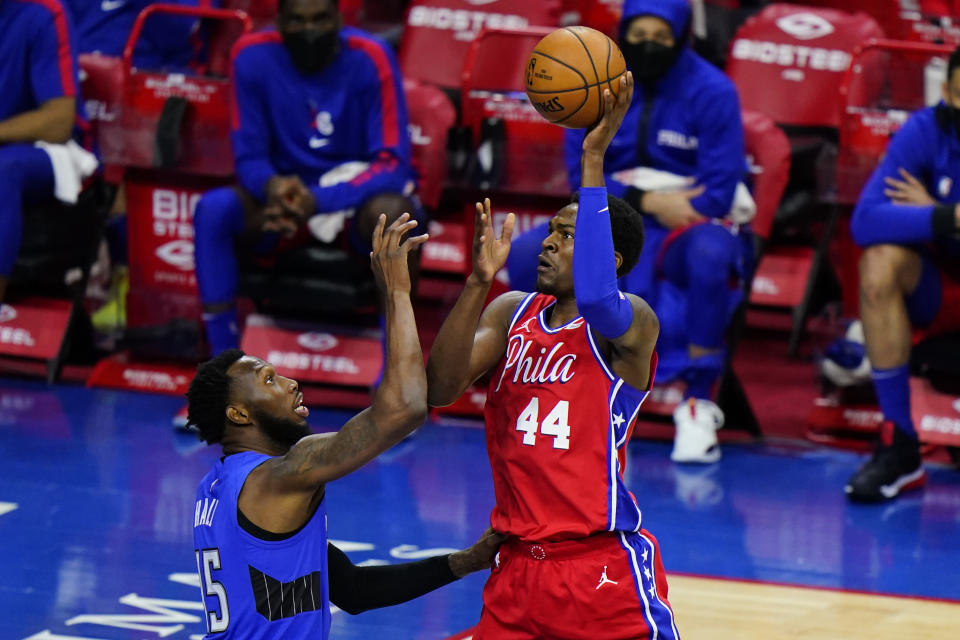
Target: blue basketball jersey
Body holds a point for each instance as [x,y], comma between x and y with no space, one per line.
[255,589]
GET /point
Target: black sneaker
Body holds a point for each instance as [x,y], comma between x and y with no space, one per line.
[895,466]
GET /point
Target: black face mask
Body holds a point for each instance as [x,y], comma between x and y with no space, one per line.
[648,60]
[311,49]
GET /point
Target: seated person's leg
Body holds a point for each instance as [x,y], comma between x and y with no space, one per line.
[702,263]
[222,215]
[26,177]
[897,286]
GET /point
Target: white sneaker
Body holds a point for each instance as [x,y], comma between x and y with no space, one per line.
[696,422]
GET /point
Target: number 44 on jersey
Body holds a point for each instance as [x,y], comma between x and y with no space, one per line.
[555,424]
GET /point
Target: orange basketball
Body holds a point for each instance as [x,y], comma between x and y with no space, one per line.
[567,73]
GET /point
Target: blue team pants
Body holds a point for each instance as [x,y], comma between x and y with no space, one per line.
[26,179]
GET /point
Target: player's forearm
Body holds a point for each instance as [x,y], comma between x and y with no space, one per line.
[386,174]
[357,589]
[889,223]
[400,403]
[594,267]
[591,169]
[52,122]
[448,373]
[254,174]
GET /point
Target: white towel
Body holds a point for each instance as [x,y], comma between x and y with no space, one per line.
[72,164]
[742,210]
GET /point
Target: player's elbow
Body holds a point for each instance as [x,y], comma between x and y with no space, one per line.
[860,228]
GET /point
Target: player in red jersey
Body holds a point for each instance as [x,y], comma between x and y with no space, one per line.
[569,367]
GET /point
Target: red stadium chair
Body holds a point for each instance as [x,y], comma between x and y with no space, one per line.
[171,138]
[431,117]
[438,33]
[787,62]
[530,160]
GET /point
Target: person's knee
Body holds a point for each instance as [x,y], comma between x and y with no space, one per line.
[217,214]
[881,271]
[392,205]
[710,253]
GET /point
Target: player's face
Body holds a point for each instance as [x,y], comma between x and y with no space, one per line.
[649,28]
[306,15]
[555,262]
[275,402]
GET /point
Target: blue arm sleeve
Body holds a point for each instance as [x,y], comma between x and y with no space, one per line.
[251,144]
[572,147]
[721,158]
[388,143]
[876,219]
[594,270]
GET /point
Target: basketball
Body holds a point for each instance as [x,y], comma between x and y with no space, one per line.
[567,73]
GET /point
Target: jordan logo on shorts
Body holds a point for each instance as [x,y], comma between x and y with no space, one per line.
[604,579]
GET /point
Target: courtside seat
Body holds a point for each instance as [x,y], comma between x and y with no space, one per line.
[432,115]
[313,282]
[438,33]
[518,151]
[787,62]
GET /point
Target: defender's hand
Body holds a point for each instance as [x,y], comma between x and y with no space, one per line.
[599,137]
[389,256]
[489,252]
[478,556]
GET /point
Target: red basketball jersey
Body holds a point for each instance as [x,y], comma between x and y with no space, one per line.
[557,424]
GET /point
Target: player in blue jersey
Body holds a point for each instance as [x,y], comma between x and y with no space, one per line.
[684,122]
[320,145]
[908,221]
[260,523]
[38,89]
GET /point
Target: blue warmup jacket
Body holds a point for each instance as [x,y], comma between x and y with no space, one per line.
[693,127]
[286,122]
[37,63]
[166,42]
[927,147]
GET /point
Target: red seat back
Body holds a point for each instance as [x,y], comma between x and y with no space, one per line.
[101,85]
[438,33]
[493,87]
[431,117]
[204,139]
[768,152]
[788,61]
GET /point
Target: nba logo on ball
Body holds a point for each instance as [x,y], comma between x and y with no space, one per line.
[567,73]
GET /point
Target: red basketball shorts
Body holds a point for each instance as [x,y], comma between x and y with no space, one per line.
[606,587]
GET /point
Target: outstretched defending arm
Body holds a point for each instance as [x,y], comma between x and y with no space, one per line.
[470,344]
[399,404]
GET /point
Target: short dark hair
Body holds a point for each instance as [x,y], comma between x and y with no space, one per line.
[953,63]
[282,5]
[626,224]
[209,394]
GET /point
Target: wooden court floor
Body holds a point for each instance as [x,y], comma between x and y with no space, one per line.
[709,608]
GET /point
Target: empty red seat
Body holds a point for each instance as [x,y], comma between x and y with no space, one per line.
[788,61]
[438,33]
